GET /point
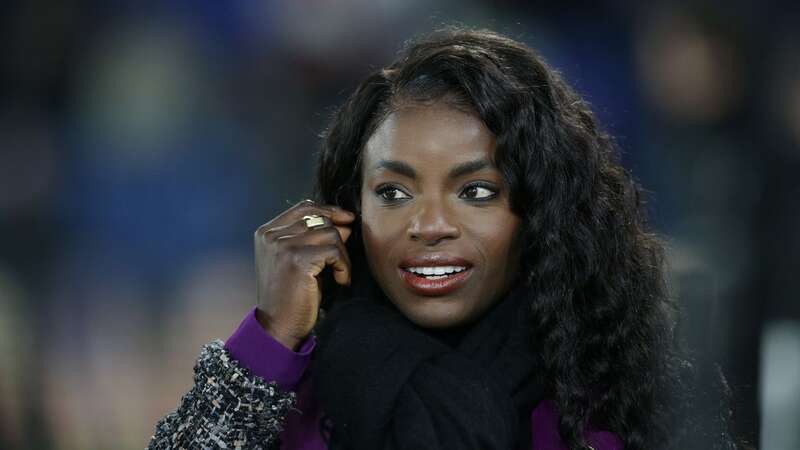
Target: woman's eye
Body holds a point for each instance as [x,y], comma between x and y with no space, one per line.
[479,192]
[391,193]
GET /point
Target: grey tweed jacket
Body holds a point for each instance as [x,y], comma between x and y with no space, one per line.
[227,407]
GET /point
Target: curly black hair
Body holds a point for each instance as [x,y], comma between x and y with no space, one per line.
[601,307]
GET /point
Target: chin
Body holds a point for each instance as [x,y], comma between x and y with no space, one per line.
[435,315]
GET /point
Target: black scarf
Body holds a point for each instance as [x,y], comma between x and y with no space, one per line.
[385,383]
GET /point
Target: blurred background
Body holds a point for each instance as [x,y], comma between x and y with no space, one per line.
[142,143]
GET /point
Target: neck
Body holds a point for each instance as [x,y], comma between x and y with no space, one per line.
[451,336]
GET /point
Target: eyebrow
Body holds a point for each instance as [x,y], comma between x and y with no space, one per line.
[456,171]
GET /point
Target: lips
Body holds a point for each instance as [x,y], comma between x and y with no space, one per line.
[434,261]
[435,284]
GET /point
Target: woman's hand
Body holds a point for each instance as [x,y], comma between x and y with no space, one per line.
[289,259]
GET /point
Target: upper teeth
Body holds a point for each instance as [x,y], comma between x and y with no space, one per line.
[439,270]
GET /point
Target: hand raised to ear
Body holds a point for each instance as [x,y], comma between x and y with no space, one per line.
[290,255]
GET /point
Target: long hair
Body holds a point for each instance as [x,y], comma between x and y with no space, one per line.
[602,313]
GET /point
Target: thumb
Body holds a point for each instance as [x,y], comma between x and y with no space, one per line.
[344,232]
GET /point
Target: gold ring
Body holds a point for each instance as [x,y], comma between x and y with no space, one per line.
[313,220]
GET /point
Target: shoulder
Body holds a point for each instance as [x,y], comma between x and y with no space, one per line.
[544,431]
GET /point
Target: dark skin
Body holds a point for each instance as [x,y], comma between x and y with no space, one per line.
[417,209]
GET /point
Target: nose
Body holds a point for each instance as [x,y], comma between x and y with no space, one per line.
[432,222]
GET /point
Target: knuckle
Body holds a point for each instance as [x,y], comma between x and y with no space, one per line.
[318,234]
[305,204]
[296,258]
[261,230]
[330,232]
[333,250]
[271,234]
[306,209]
[282,249]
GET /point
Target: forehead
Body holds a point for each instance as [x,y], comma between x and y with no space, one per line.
[430,136]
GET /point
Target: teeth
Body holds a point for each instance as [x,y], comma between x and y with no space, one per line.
[439,270]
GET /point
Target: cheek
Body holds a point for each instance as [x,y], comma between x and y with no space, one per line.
[379,234]
[369,225]
[372,242]
[501,240]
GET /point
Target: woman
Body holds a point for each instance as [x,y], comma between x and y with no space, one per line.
[494,284]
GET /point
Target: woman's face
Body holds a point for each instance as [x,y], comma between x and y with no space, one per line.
[439,235]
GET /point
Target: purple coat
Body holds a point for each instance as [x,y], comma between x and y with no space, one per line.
[255,349]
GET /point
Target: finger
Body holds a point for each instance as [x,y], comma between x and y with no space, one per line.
[341,268]
[321,256]
[301,235]
[271,230]
[306,207]
[301,227]
[323,237]
[298,227]
[341,215]
[295,212]
[344,232]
